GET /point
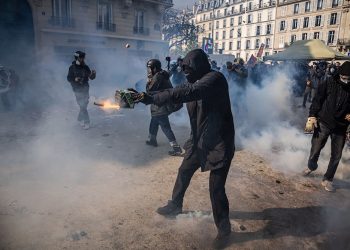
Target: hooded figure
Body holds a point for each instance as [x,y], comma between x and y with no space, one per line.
[211,144]
[329,117]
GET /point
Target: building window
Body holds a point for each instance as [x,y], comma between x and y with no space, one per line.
[319,4]
[241,8]
[333,19]
[268,29]
[204,17]
[210,26]
[258,29]
[259,17]
[216,47]
[281,42]
[295,24]
[282,25]
[224,23]
[230,46]
[225,12]
[224,34]
[231,22]
[335,3]
[211,15]
[239,32]
[240,20]
[203,26]
[304,36]
[293,38]
[331,36]
[232,9]
[216,35]
[306,22]
[250,6]
[238,44]
[105,16]
[257,43]
[316,35]
[296,8]
[307,6]
[250,19]
[267,43]
[318,21]
[260,4]
[231,33]
[62,13]
[217,24]
[62,8]
[247,44]
[269,15]
[223,46]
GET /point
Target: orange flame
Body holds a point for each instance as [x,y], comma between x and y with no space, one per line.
[107,104]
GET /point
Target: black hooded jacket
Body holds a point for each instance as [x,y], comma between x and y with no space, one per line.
[331,103]
[81,71]
[160,81]
[209,109]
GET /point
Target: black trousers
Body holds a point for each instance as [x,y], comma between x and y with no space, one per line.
[217,182]
[163,122]
[319,140]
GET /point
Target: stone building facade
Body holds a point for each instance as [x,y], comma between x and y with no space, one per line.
[60,27]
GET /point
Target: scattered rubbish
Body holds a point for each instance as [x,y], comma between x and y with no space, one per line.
[243,228]
[278,181]
[281,192]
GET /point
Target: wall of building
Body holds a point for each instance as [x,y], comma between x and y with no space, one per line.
[60,36]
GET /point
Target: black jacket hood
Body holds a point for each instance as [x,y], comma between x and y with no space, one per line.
[197,59]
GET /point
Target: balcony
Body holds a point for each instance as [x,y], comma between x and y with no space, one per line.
[62,21]
[105,26]
[141,31]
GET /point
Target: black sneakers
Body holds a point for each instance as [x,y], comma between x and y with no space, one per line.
[152,143]
[171,209]
[222,240]
[177,151]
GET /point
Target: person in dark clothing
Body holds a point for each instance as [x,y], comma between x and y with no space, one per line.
[329,116]
[307,92]
[211,145]
[176,73]
[78,76]
[158,80]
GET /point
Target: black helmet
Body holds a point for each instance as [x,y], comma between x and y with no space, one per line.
[154,64]
[79,54]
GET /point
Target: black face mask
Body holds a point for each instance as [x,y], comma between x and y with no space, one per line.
[149,72]
[190,74]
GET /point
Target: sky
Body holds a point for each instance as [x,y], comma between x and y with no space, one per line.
[179,4]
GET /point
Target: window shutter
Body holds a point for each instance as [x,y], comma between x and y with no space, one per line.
[329,19]
[338,17]
[322,20]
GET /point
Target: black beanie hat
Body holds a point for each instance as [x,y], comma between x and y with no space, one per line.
[344,69]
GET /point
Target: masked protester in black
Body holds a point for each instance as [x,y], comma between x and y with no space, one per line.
[211,144]
[78,76]
[158,80]
[329,117]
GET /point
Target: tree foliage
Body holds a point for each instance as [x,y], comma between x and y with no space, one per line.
[179,29]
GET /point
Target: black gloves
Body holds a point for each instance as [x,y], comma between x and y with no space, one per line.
[140,97]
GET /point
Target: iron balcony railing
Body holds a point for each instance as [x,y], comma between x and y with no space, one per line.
[62,21]
[105,26]
[141,30]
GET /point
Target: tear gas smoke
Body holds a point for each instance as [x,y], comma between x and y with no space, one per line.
[270,122]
